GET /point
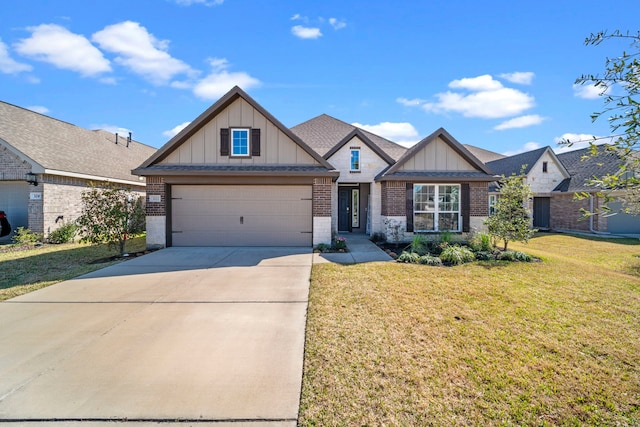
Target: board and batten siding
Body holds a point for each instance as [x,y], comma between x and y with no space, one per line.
[437,156]
[204,146]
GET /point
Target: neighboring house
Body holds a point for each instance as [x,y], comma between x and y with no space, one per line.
[543,173]
[483,155]
[60,160]
[237,176]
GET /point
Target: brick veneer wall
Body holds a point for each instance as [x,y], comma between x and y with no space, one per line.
[565,213]
[321,205]
[479,192]
[11,167]
[394,198]
[156,186]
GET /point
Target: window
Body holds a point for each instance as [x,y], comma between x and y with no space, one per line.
[493,199]
[240,142]
[355,160]
[544,167]
[355,208]
[436,207]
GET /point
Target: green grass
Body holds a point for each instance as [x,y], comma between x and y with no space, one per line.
[490,343]
[23,271]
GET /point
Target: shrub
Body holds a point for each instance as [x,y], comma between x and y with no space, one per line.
[485,256]
[339,243]
[456,255]
[418,245]
[377,237]
[514,256]
[481,242]
[430,260]
[323,247]
[24,236]
[408,257]
[63,234]
[445,238]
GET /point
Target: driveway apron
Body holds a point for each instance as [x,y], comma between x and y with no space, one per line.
[202,335]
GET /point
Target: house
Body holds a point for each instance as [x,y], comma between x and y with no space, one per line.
[543,172]
[554,181]
[237,176]
[46,164]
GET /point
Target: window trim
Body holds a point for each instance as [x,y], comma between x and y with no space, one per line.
[436,208]
[359,166]
[232,147]
[545,167]
[355,208]
[493,200]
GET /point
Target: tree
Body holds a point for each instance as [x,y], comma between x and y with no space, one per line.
[110,215]
[510,222]
[620,87]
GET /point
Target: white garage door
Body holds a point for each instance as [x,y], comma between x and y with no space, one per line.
[238,215]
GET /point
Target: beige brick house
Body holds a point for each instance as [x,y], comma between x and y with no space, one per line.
[61,159]
[237,176]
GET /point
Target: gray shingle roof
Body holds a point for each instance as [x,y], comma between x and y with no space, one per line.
[324,132]
[482,154]
[513,165]
[582,167]
[61,146]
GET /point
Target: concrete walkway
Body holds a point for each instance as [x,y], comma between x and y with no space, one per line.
[192,336]
[361,249]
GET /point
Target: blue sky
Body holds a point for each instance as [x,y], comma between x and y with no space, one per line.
[495,74]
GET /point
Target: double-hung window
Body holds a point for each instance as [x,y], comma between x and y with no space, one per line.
[436,207]
[240,142]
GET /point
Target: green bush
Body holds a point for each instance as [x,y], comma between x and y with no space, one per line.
[456,255]
[408,257]
[485,256]
[418,245]
[481,242]
[24,236]
[339,243]
[430,260]
[514,256]
[63,234]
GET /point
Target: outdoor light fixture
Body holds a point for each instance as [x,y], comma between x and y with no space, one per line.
[32,178]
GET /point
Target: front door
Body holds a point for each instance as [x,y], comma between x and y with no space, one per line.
[541,211]
[344,209]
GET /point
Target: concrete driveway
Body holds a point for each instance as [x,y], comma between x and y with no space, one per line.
[189,335]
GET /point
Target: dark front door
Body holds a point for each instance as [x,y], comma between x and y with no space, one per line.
[541,208]
[344,209]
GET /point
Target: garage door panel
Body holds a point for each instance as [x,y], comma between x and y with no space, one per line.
[211,215]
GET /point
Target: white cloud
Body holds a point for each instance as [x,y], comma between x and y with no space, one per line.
[529,146]
[476,84]
[519,77]
[38,109]
[337,24]
[402,132]
[58,46]
[578,141]
[8,65]
[123,132]
[493,104]
[298,17]
[306,32]
[219,81]
[520,122]
[410,102]
[588,91]
[176,130]
[139,51]
[204,2]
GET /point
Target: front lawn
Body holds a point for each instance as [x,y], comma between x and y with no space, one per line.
[23,271]
[488,343]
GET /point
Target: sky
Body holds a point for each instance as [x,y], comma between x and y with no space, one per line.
[495,74]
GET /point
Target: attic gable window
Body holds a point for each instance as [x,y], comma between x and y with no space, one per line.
[545,168]
[240,142]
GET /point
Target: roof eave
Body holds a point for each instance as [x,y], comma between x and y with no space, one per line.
[200,172]
[423,178]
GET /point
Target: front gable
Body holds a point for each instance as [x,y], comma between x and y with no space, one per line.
[438,156]
[546,173]
[205,142]
[371,163]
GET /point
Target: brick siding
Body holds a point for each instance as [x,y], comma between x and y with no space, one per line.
[479,198]
[565,213]
[11,167]
[321,205]
[156,186]
[394,198]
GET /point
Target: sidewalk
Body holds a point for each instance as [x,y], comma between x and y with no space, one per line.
[361,249]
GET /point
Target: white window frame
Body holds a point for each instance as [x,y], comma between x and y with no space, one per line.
[436,207]
[355,208]
[352,152]
[233,147]
[493,201]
